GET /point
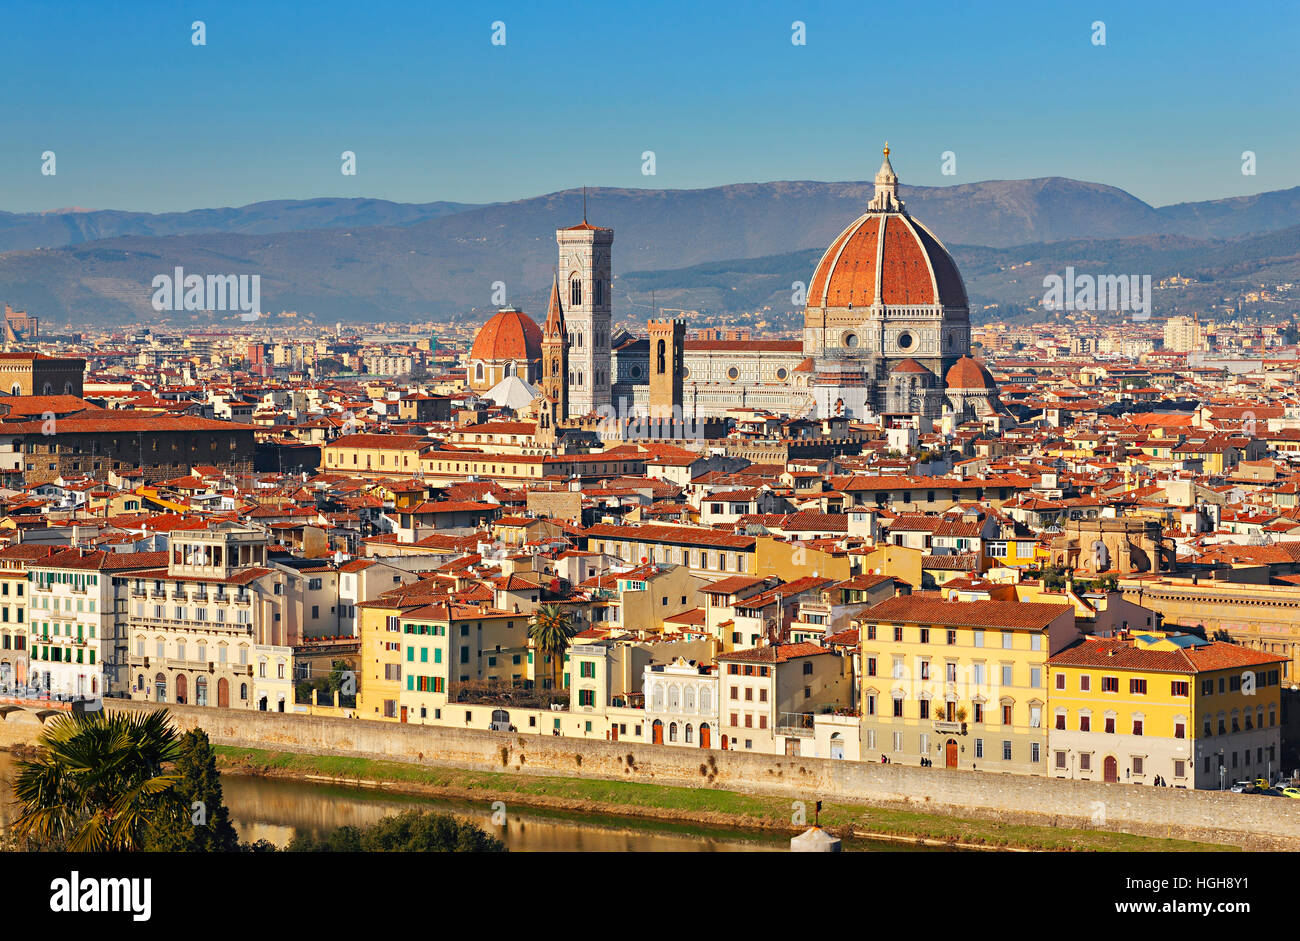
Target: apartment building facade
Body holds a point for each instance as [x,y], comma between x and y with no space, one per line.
[1192,712]
[962,684]
[208,627]
[77,643]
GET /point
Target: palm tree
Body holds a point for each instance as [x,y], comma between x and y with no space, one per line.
[98,781]
[550,631]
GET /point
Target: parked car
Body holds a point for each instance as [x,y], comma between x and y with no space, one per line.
[1292,792]
[1262,782]
[1240,787]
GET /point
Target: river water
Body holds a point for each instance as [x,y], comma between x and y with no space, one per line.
[276,809]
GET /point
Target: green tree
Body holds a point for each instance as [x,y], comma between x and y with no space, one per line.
[98,781]
[200,821]
[413,831]
[550,631]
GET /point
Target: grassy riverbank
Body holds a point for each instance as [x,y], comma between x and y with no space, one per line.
[710,807]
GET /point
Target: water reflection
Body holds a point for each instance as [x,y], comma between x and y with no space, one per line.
[275,809]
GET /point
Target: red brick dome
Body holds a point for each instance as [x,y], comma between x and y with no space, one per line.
[910,365]
[968,374]
[887,258]
[509,335]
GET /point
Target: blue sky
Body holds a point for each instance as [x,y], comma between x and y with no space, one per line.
[139,118]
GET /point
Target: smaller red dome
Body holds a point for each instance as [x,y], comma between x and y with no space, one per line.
[968,374]
[509,335]
[909,365]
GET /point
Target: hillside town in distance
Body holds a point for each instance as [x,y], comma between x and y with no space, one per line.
[907,532]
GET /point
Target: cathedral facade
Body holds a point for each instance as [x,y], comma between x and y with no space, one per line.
[886,330]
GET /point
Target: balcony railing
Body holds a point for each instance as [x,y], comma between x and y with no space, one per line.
[201,665]
[950,728]
[149,622]
[795,723]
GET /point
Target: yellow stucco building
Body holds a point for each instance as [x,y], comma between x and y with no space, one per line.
[1195,713]
[962,684]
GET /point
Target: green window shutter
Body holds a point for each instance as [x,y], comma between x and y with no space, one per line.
[437,655]
[410,682]
[424,654]
[410,654]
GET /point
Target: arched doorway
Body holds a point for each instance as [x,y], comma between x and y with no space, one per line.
[724,743]
[160,688]
[950,754]
[182,688]
[1111,768]
[201,691]
[704,735]
[21,673]
[223,693]
[657,733]
[261,704]
[613,733]
[837,745]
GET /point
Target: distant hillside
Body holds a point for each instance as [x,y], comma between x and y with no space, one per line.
[992,275]
[60,228]
[368,259]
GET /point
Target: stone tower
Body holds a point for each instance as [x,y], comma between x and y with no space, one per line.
[555,361]
[585,275]
[667,343]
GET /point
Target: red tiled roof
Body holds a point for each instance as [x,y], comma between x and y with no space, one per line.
[932,608]
[777,653]
[1124,655]
[685,535]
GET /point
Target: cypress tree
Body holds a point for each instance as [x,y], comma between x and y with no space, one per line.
[202,822]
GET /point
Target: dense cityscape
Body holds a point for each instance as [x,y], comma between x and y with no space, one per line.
[463,485]
[792,547]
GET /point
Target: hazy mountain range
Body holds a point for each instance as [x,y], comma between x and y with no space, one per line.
[726,248]
[1003,276]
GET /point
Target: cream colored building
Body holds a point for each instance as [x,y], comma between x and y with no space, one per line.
[209,628]
[1184,335]
[681,703]
[771,696]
